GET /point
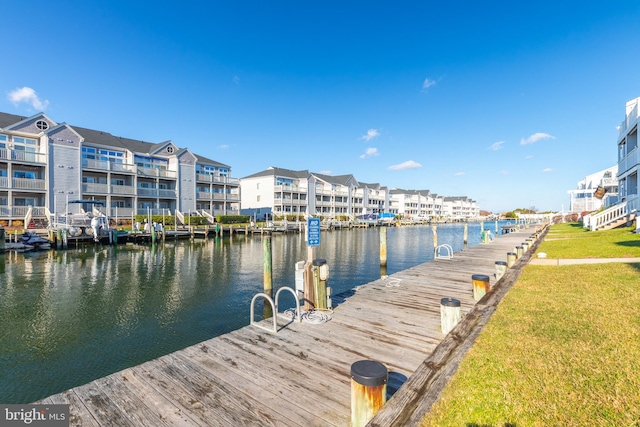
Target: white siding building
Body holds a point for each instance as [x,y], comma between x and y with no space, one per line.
[44,163]
[585,199]
[628,158]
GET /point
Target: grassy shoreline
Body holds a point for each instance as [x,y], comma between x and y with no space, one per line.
[562,348]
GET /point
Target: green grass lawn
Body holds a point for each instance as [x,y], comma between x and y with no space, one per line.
[562,348]
[573,241]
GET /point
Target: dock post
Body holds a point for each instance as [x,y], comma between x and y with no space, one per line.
[449,314]
[465,236]
[268,277]
[525,247]
[58,239]
[511,259]
[481,226]
[3,243]
[501,268]
[434,229]
[496,228]
[368,390]
[383,246]
[481,286]
[519,252]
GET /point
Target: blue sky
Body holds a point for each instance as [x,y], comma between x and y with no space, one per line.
[510,103]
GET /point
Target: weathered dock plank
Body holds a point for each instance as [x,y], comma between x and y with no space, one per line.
[300,376]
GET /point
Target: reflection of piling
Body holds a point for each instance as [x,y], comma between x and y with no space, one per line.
[383,246]
[2,241]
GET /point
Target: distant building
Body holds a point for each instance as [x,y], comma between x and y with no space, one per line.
[595,191]
[302,193]
[44,163]
[628,158]
[459,208]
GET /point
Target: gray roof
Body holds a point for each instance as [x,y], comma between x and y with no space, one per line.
[335,179]
[9,119]
[273,171]
[106,139]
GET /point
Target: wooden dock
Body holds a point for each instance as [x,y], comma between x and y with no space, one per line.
[300,376]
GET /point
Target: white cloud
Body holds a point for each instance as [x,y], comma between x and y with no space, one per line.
[538,136]
[371,151]
[504,172]
[495,146]
[325,172]
[427,84]
[528,157]
[459,174]
[547,170]
[223,146]
[28,96]
[371,133]
[409,164]
[236,79]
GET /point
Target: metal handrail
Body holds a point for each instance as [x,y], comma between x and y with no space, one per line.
[448,251]
[274,306]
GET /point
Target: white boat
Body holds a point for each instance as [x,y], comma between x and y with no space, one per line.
[83,218]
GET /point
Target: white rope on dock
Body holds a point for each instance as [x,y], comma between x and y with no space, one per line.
[391,283]
[314,316]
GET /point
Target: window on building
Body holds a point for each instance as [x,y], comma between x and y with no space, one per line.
[257,198]
[24,201]
[151,162]
[24,174]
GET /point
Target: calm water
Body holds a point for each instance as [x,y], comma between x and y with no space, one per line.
[69,317]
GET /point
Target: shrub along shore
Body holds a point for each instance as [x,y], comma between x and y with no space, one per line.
[562,348]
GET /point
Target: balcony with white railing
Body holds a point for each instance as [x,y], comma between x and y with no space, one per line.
[628,122]
[166,193]
[95,188]
[28,184]
[4,182]
[123,189]
[147,192]
[160,173]
[23,156]
[628,162]
[118,212]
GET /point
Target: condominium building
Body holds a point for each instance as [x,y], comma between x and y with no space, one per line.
[416,204]
[302,193]
[600,189]
[628,158]
[44,164]
[459,208]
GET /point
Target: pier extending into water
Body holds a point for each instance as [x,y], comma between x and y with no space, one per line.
[301,375]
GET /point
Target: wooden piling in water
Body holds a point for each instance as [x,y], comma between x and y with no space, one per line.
[3,243]
[434,229]
[383,246]
[465,235]
[268,277]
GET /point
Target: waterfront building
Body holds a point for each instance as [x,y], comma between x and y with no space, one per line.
[44,163]
[459,208]
[595,191]
[628,158]
[423,205]
[299,193]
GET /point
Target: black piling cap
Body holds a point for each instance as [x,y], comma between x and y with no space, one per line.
[369,373]
[501,263]
[450,302]
[480,277]
[318,262]
[511,253]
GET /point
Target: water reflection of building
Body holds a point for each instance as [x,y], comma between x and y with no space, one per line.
[44,162]
[600,189]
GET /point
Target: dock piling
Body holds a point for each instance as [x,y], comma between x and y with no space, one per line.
[368,390]
[449,314]
[383,246]
[481,285]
